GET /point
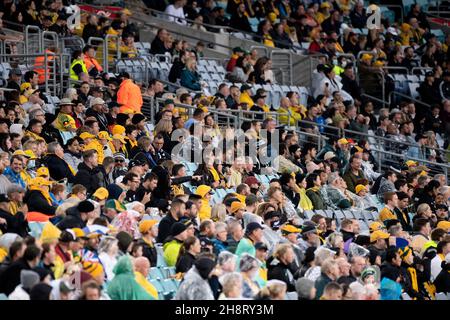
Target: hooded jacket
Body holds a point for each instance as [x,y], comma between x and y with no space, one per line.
[194,287]
[124,286]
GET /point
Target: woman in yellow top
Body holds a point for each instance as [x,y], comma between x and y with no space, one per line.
[305,202]
[128,49]
[245,97]
[264,29]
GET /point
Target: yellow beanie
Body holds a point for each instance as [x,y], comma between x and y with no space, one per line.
[49,233]
[146,225]
[95,269]
[118,129]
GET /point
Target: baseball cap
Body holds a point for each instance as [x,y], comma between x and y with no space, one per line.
[101,193]
[245,87]
[96,101]
[375,226]
[135,163]
[238,49]
[261,246]
[307,228]
[114,204]
[329,155]
[288,228]
[252,226]
[378,234]
[42,172]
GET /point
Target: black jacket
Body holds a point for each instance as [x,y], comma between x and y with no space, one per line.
[157,46]
[37,202]
[72,220]
[164,227]
[184,263]
[175,71]
[92,179]
[101,118]
[442,281]
[10,278]
[280,271]
[14,224]
[58,168]
[149,252]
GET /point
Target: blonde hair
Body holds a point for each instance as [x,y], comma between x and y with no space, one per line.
[230,281]
[281,250]
[190,63]
[273,289]
[163,125]
[218,212]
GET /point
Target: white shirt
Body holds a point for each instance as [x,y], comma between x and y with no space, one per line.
[108,264]
[176,12]
[435,267]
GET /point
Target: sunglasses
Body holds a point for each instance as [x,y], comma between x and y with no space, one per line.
[120,160]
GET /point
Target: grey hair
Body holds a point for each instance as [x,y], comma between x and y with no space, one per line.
[106,243]
[230,280]
[248,263]
[15,188]
[224,257]
[51,147]
[32,113]
[334,176]
[303,287]
[70,92]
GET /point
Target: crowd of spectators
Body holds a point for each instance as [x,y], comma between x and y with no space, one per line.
[95,197]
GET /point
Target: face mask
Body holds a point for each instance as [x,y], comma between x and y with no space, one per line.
[344,64]
[335,62]
[31,164]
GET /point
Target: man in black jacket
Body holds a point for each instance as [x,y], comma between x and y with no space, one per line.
[177,210]
[178,66]
[157,46]
[10,278]
[91,28]
[239,19]
[57,166]
[88,173]
[98,110]
[77,216]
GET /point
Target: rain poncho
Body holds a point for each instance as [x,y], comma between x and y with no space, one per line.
[124,286]
[390,290]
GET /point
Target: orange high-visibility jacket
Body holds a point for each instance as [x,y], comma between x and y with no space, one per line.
[92,62]
[40,68]
[130,96]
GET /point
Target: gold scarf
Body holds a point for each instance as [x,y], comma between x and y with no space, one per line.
[214,173]
[46,194]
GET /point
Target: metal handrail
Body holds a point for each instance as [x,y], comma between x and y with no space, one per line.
[408,97]
[444,166]
[420,68]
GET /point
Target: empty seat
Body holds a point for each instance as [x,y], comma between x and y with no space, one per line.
[156,273]
[413,90]
[348,214]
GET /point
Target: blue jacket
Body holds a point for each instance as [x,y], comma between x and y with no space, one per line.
[14,177]
[190,80]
